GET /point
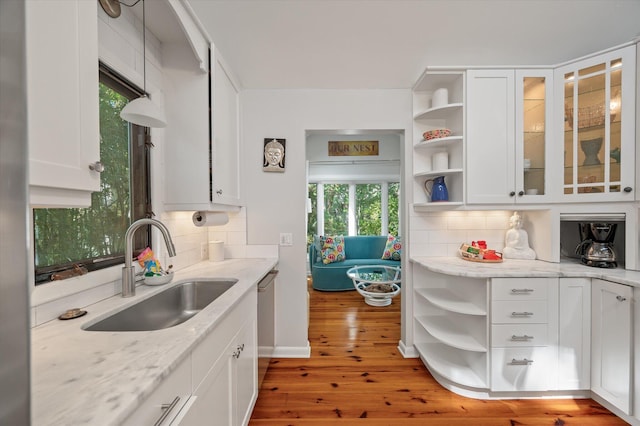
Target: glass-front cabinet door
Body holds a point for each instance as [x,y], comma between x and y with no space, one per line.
[534,92]
[598,140]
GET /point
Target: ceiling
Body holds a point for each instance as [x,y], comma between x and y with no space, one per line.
[384,44]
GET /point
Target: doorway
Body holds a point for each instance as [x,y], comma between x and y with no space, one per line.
[350,193]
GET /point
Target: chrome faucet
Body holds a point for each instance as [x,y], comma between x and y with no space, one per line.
[128,271]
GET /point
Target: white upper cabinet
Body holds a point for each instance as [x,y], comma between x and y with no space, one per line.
[62,96]
[226,134]
[490,172]
[202,137]
[596,138]
[508,121]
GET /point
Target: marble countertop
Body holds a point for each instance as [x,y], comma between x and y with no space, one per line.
[99,378]
[525,268]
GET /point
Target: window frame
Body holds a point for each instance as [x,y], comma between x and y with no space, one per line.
[140,189]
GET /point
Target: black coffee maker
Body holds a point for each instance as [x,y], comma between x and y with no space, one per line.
[596,246]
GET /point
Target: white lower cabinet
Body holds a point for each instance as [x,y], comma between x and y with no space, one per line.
[218,383]
[524,325]
[611,325]
[228,391]
[525,368]
[574,339]
[166,401]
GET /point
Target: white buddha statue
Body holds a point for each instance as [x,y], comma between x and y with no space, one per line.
[516,242]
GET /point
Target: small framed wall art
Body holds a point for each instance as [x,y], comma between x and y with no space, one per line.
[274,155]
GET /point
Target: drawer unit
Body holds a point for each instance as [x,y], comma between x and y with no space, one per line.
[518,369]
[520,288]
[518,335]
[524,334]
[519,312]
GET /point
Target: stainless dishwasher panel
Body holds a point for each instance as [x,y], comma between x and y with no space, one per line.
[266,323]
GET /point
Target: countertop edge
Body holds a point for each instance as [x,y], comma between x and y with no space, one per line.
[456,266]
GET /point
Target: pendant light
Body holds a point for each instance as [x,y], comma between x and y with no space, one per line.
[143,111]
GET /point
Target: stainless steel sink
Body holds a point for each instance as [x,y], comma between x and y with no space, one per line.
[170,307]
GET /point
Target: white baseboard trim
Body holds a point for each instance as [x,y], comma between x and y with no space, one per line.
[292,351]
[407,351]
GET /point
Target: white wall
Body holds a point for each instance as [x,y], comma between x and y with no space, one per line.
[324,168]
[276,201]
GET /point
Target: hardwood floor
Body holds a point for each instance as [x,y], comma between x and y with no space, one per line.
[356,376]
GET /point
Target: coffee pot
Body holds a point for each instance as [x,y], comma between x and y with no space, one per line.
[438,191]
[596,247]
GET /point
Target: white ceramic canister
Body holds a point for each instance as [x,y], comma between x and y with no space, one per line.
[216,251]
[440,98]
[440,161]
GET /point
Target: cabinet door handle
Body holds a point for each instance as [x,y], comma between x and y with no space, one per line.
[520,194]
[523,361]
[521,314]
[97,167]
[167,409]
[627,189]
[219,192]
[512,193]
[523,338]
[621,298]
[521,290]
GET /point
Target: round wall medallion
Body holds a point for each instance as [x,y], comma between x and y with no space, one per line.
[111,7]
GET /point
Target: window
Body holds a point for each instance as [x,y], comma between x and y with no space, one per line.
[94,236]
[353,209]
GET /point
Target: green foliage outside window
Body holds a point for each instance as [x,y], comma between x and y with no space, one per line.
[394,197]
[368,209]
[63,236]
[336,209]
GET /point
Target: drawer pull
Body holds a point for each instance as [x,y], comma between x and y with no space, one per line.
[523,361]
[621,298]
[167,409]
[523,338]
[521,290]
[521,314]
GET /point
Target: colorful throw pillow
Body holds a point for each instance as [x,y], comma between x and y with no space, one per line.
[333,249]
[393,248]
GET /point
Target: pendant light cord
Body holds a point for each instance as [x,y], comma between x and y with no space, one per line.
[144,52]
[144,43]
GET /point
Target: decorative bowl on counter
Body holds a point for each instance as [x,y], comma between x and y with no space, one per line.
[159,279]
[436,134]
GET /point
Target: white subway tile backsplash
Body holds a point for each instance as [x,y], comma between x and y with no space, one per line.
[498,222]
[419,237]
[447,236]
[237,238]
[467,222]
[235,252]
[441,233]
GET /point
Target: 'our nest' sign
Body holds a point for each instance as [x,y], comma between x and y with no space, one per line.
[352,148]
